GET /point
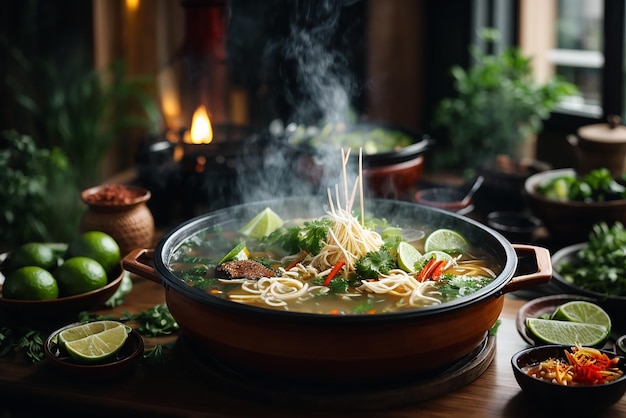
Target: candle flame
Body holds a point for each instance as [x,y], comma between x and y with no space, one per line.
[201,130]
[132,5]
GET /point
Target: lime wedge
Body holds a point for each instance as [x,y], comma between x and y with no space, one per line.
[439,255]
[446,240]
[98,346]
[240,252]
[583,312]
[408,255]
[85,330]
[569,333]
[262,224]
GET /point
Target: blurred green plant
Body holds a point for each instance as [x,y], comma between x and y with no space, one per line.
[78,113]
[85,115]
[26,173]
[498,104]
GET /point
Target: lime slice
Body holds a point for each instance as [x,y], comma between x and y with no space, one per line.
[439,255]
[85,330]
[263,224]
[569,333]
[240,252]
[98,346]
[583,312]
[446,240]
[408,255]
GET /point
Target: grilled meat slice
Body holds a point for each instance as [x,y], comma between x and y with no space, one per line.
[243,269]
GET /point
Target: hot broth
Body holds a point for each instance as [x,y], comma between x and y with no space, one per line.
[194,262]
[340,263]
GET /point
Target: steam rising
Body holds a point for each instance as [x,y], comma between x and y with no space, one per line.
[318,86]
[321,73]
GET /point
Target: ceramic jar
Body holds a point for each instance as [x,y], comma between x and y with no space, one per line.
[601,145]
[120,211]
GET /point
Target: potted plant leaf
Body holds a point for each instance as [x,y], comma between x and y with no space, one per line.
[498,105]
[27,172]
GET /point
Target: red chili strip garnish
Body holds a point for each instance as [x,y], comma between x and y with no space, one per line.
[299,258]
[438,270]
[425,270]
[334,272]
[590,366]
[429,269]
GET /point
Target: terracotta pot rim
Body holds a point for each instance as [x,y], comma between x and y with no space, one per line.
[143,196]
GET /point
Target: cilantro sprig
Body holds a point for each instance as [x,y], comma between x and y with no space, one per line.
[373,264]
[309,237]
[601,264]
[29,341]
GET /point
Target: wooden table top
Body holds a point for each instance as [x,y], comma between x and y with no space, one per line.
[171,390]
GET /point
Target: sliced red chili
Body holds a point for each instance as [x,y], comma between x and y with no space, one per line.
[428,269]
[338,265]
[438,270]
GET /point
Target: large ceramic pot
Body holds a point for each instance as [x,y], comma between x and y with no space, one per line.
[332,348]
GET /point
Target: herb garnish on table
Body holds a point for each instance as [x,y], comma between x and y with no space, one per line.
[154,322]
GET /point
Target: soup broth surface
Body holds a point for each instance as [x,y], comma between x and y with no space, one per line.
[195,260]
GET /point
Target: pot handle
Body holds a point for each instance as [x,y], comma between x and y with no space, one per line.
[541,276]
[141,262]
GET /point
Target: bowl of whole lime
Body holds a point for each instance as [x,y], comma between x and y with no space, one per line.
[52,281]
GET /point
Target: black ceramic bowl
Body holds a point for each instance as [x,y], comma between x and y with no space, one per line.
[620,346]
[447,198]
[515,226]
[614,305]
[584,399]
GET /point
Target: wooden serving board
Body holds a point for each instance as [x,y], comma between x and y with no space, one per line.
[357,397]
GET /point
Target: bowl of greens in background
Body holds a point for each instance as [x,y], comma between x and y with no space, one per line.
[569,204]
[596,269]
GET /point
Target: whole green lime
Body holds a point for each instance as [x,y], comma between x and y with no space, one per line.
[97,245]
[79,275]
[33,254]
[30,283]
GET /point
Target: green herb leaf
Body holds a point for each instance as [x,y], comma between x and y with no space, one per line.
[601,264]
[374,264]
[159,354]
[313,235]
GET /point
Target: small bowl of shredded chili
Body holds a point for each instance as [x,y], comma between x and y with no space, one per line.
[570,378]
